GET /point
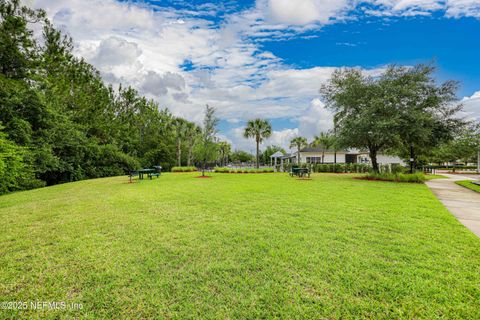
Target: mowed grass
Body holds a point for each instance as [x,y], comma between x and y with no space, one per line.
[469,184]
[237,247]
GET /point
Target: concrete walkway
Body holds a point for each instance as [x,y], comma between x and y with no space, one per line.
[463,203]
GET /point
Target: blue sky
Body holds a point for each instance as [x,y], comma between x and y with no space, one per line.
[267,58]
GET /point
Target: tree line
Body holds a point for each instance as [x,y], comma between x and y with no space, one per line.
[401,111]
[60,122]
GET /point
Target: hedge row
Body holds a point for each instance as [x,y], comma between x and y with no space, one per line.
[453,167]
[349,168]
[401,177]
[233,170]
[184,169]
[334,168]
[341,168]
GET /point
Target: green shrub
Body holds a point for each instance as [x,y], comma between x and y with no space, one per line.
[16,172]
[108,161]
[243,170]
[184,169]
[341,167]
[400,177]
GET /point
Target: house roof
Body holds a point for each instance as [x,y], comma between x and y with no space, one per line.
[277,154]
[319,149]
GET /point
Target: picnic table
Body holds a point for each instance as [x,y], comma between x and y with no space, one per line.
[300,172]
[146,171]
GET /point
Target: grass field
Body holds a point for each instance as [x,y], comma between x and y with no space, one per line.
[237,247]
[469,184]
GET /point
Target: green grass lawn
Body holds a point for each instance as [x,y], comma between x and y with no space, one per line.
[237,247]
[469,184]
[434,176]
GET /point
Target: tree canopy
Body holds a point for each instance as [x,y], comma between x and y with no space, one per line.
[401,111]
[259,129]
[298,143]
[60,122]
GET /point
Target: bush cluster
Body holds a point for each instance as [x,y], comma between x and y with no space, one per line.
[184,169]
[455,167]
[397,177]
[341,168]
[334,168]
[240,170]
[470,168]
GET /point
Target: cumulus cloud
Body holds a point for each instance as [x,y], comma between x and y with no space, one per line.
[280,138]
[306,11]
[316,119]
[472,106]
[158,85]
[116,51]
[147,46]
[463,8]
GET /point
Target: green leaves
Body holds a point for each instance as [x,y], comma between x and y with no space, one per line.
[259,129]
[58,112]
[401,110]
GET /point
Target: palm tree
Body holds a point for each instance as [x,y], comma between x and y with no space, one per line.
[259,129]
[224,148]
[325,141]
[299,143]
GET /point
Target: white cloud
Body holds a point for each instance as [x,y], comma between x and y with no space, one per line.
[305,12]
[158,85]
[472,106]
[116,51]
[145,46]
[316,119]
[280,138]
[461,8]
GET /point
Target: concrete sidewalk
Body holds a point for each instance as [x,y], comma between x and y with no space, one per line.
[464,204]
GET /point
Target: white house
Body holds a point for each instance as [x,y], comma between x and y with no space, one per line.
[314,155]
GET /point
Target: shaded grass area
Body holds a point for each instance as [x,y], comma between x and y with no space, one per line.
[237,246]
[469,184]
[434,176]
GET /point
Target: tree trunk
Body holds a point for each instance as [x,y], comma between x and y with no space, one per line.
[189,157]
[298,155]
[373,158]
[478,161]
[258,149]
[412,158]
[179,152]
[323,156]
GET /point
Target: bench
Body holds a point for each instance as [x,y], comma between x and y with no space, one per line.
[131,174]
[154,174]
[300,172]
[157,173]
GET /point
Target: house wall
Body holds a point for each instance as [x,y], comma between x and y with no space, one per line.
[385,159]
[329,158]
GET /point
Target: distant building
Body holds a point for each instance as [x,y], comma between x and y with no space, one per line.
[314,155]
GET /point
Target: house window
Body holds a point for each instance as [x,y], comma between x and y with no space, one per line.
[314,160]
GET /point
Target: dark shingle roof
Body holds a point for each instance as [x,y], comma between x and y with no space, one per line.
[319,149]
